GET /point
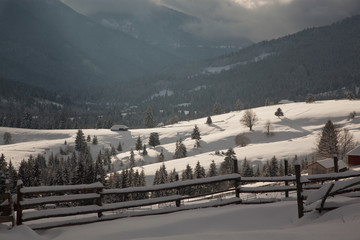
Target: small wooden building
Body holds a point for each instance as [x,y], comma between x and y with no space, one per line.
[119,128]
[354,156]
[326,166]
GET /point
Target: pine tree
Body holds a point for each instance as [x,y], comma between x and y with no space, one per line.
[246,169]
[180,150]
[199,171]
[149,118]
[154,139]
[13,177]
[309,98]
[3,173]
[119,147]
[208,120]
[99,168]
[132,159]
[212,170]
[161,156]
[95,140]
[328,142]
[112,150]
[138,145]
[36,173]
[187,174]
[274,167]
[173,176]
[144,150]
[217,109]
[7,138]
[227,166]
[350,95]
[238,105]
[279,113]
[196,135]
[80,143]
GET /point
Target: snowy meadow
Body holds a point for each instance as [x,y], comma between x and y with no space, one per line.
[293,134]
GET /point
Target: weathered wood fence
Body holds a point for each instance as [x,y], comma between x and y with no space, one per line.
[36,203]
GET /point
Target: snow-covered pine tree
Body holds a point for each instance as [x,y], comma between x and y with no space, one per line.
[80,143]
[138,145]
[227,166]
[208,120]
[274,167]
[212,170]
[132,159]
[279,113]
[154,139]
[119,147]
[144,150]
[328,141]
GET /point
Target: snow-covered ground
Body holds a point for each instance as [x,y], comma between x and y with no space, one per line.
[295,133]
[268,221]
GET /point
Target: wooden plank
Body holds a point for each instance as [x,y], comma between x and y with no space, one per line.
[173,185]
[60,189]
[5,196]
[140,203]
[58,199]
[267,189]
[6,219]
[60,212]
[325,197]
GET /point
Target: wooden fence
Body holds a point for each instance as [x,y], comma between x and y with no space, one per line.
[6,207]
[36,203]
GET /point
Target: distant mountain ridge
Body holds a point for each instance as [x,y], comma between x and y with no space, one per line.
[48,44]
[315,60]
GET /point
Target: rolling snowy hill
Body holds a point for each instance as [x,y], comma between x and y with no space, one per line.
[295,133]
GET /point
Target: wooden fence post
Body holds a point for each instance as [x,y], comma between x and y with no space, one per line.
[99,200]
[18,205]
[336,163]
[177,202]
[8,190]
[299,190]
[286,163]
[236,182]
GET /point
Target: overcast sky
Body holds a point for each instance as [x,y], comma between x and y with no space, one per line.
[254,19]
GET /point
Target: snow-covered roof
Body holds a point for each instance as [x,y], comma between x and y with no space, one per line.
[329,163]
[355,151]
[284,101]
[119,127]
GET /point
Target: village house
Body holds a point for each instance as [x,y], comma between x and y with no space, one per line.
[326,166]
[119,128]
[354,156]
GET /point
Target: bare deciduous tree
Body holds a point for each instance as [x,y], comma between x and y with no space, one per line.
[346,142]
[249,119]
[268,128]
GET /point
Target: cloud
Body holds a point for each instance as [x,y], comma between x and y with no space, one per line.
[253,19]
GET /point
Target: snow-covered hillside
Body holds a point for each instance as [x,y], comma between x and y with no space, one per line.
[295,133]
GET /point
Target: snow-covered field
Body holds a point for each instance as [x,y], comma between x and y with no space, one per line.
[295,133]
